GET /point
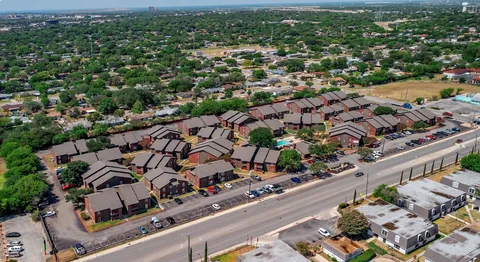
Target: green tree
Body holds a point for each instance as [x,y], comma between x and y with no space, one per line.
[419,125]
[229,93]
[290,159]
[471,162]
[137,107]
[100,129]
[79,132]
[419,100]
[353,223]
[119,113]
[446,92]
[303,249]
[306,134]
[262,137]
[309,83]
[77,195]
[26,193]
[321,150]
[97,144]
[74,171]
[94,117]
[107,106]
[318,167]
[364,152]
[389,194]
[259,74]
[384,110]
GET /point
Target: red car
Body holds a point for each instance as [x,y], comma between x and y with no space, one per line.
[432,137]
[421,140]
[67,186]
[459,141]
[212,190]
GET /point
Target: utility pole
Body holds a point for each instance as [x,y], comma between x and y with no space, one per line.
[366,188]
[354,197]
[475,146]
[401,178]
[383,146]
[249,189]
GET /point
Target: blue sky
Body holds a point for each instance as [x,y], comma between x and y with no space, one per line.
[19,5]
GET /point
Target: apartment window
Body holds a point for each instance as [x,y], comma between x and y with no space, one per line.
[420,238]
[472,190]
[455,184]
[427,234]
[384,232]
[433,212]
[183,190]
[210,177]
[163,189]
[410,206]
[454,202]
[462,198]
[397,239]
[444,208]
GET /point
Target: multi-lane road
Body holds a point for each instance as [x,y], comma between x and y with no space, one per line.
[231,228]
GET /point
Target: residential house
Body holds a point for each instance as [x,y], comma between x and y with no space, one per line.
[353,116]
[118,202]
[302,148]
[236,120]
[161,132]
[276,251]
[337,109]
[293,121]
[242,157]
[12,107]
[104,174]
[326,113]
[88,158]
[266,160]
[349,105]
[165,182]
[301,106]
[129,141]
[398,228]
[347,134]
[363,102]
[210,173]
[110,154]
[252,126]
[145,162]
[378,125]
[281,109]
[462,245]
[311,120]
[207,133]
[341,248]
[263,112]
[190,127]
[171,147]
[277,127]
[210,150]
[63,152]
[329,99]
[430,199]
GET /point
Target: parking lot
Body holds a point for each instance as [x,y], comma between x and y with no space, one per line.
[32,237]
[307,231]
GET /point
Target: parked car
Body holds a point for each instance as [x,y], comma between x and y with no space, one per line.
[13,234]
[359,174]
[203,193]
[249,194]
[228,185]
[67,186]
[49,214]
[296,180]
[421,140]
[217,188]
[216,206]
[399,147]
[261,191]
[406,132]
[212,190]
[170,220]
[14,243]
[266,189]
[143,230]
[178,200]
[410,144]
[277,188]
[79,249]
[323,232]
[431,137]
[415,142]
[255,193]
[255,177]
[15,249]
[456,129]
[459,141]
[388,137]
[156,223]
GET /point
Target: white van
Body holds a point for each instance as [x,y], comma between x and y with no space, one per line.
[15,249]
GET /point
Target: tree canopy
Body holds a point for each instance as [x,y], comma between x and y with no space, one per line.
[290,159]
[353,223]
[262,137]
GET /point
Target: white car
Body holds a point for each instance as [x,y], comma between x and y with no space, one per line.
[229,186]
[49,214]
[14,243]
[271,187]
[323,232]
[216,206]
[250,195]
[399,147]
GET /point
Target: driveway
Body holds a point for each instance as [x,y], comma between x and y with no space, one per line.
[307,231]
[32,237]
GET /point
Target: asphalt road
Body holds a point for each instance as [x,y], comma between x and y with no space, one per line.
[225,230]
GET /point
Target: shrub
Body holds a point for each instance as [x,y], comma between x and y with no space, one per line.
[365,257]
[342,205]
[84,216]
[35,216]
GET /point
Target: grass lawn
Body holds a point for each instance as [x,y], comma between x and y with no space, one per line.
[380,251]
[137,177]
[425,89]
[448,224]
[106,224]
[475,214]
[232,255]
[3,169]
[462,214]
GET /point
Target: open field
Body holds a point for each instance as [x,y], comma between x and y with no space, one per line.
[426,89]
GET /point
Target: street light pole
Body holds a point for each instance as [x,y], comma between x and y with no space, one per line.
[366,188]
[249,189]
[383,146]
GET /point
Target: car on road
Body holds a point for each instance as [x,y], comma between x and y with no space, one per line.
[255,177]
[228,185]
[203,192]
[296,180]
[249,194]
[212,190]
[14,243]
[359,174]
[456,129]
[79,249]
[178,200]
[323,232]
[170,220]
[410,144]
[49,214]
[13,234]
[399,147]
[459,141]
[143,230]
[216,206]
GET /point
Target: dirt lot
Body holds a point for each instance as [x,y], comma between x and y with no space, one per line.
[218,51]
[425,89]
